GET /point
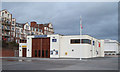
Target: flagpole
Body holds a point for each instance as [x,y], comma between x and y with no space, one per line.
[80,34]
[80,25]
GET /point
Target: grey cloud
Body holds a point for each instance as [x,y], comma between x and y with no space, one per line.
[99,19]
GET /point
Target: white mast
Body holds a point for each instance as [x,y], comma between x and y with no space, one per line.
[80,25]
[80,34]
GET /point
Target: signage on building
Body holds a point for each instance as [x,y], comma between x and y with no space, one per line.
[51,52]
[24,46]
[99,44]
[37,36]
[57,52]
[54,40]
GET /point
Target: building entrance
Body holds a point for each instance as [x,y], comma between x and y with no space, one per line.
[41,47]
[23,52]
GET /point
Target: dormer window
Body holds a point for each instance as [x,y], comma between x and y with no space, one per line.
[8,15]
[2,13]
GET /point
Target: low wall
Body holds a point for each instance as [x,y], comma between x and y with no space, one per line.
[8,53]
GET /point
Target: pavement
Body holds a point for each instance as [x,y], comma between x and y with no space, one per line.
[16,63]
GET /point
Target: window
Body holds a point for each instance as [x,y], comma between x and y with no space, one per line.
[5,11]
[16,35]
[86,41]
[2,13]
[35,53]
[13,28]
[27,27]
[16,41]
[41,30]
[46,53]
[75,41]
[16,30]
[44,28]
[21,30]
[45,32]
[2,27]
[83,41]
[32,28]
[38,29]
[32,33]
[42,53]
[35,29]
[9,33]
[8,15]
[7,22]
[13,22]
[93,42]
[54,40]
[39,53]
[19,35]
[2,19]
[8,27]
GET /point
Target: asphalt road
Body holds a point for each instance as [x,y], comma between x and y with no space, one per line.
[107,63]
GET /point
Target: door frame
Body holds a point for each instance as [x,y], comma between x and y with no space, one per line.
[24,53]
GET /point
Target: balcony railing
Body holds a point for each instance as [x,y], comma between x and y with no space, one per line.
[7,29]
[5,23]
[8,35]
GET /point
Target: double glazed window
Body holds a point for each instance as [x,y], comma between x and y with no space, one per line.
[13,22]
[35,29]
[32,28]
[2,27]
[8,15]
[2,13]
[77,41]
[38,29]
[13,28]
[86,41]
[8,27]
[54,40]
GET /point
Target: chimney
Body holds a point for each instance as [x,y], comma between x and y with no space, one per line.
[33,23]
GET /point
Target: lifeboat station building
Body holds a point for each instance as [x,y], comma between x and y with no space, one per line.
[60,46]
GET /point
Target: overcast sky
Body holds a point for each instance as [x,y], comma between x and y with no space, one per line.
[99,19]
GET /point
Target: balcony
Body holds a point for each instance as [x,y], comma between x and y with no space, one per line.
[6,23]
[22,33]
[6,34]
[12,30]
[51,28]
[7,29]
[13,24]
[28,34]
[17,32]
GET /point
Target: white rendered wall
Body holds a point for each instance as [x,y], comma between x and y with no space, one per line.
[94,47]
[80,50]
[111,47]
[29,46]
[102,48]
[20,48]
[54,46]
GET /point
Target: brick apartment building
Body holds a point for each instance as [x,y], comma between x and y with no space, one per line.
[6,21]
[18,32]
[41,28]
